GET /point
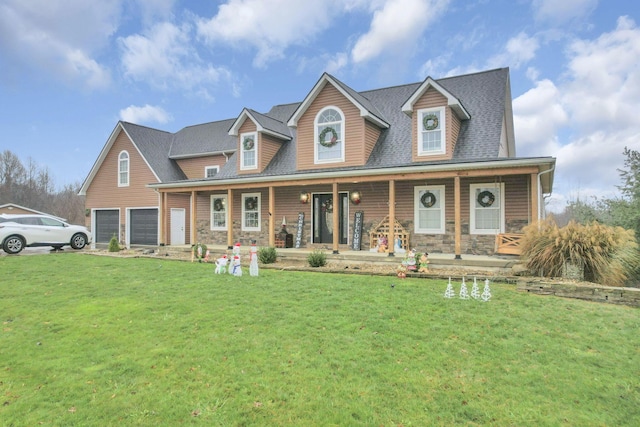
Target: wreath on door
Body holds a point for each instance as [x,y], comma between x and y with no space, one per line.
[327,205]
[428,199]
[486,198]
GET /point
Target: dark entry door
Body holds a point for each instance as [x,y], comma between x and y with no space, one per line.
[323,226]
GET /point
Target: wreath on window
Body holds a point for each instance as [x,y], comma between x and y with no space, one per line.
[486,198]
[430,122]
[251,203]
[334,137]
[248,143]
[428,199]
[218,205]
[327,205]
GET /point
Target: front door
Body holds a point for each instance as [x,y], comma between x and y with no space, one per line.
[177,226]
[323,226]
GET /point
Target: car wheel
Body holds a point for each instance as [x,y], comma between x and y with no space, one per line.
[13,245]
[78,241]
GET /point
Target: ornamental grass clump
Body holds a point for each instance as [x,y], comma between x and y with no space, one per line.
[317,258]
[603,254]
[267,255]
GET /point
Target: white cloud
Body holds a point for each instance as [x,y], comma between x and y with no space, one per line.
[561,11]
[270,26]
[396,23]
[165,58]
[517,51]
[60,36]
[144,114]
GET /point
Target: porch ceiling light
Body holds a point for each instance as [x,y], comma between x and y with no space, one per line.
[304,197]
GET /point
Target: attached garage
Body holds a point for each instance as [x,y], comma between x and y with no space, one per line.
[107,225]
[143,225]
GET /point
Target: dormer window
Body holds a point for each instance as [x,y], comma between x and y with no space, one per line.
[123,169]
[431,131]
[248,151]
[329,136]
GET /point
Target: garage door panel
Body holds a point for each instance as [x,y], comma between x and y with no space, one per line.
[144,227]
[107,225]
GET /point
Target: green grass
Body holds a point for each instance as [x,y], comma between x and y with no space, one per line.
[98,341]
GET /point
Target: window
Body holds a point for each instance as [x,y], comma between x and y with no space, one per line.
[329,136]
[251,212]
[211,171]
[219,212]
[486,208]
[123,169]
[429,212]
[248,151]
[431,135]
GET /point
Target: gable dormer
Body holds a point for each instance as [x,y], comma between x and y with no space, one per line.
[336,126]
[436,117]
[259,139]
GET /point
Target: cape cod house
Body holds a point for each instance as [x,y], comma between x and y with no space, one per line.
[437,157]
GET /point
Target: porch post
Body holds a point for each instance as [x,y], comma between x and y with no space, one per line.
[535,199]
[229,219]
[457,214]
[162,219]
[272,216]
[193,239]
[336,218]
[391,243]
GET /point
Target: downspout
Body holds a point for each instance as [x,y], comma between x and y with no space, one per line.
[226,158]
[541,199]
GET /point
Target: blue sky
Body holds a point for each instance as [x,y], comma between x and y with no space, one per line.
[71,69]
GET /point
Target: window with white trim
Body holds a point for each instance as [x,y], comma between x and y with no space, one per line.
[251,211]
[211,171]
[219,212]
[429,215]
[123,169]
[249,151]
[329,136]
[486,208]
[431,131]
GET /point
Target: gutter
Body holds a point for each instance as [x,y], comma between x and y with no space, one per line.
[354,174]
[541,214]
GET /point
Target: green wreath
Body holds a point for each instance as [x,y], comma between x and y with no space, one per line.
[430,118]
[486,198]
[218,205]
[248,143]
[328,205]
[428,199]
[251,203]
[334,137]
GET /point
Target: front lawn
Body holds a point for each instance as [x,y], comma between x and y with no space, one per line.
[95,341]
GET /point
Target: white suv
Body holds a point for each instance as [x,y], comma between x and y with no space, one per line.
[19,231]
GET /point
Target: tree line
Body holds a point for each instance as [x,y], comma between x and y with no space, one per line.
[32,186]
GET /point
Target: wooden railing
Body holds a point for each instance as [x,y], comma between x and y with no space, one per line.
[508,243]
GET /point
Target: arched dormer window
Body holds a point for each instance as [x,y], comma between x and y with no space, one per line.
[329,136]
[123,169]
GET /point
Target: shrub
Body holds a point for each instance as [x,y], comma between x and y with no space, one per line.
[267,255]
[114,245]
[317,258]
[603,254]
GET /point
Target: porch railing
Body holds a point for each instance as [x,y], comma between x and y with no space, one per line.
[509,243]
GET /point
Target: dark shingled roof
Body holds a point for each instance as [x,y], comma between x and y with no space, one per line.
[482,94]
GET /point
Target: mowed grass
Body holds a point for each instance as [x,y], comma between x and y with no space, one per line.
[99,341]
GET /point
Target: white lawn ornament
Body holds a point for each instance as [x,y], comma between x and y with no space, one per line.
[449,293]
[253,259]
[475,291]
[236,270]
[464,293]
[486,293]
[221,264]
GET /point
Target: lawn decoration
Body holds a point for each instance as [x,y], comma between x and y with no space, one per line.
[397,248]
[235,269]
[464,293]
[401,272]
[221,264]
[409,261]
[235,254]
[199,252]
[475,291]
[449,292]
[253,258]
[486,293]
[424,263]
